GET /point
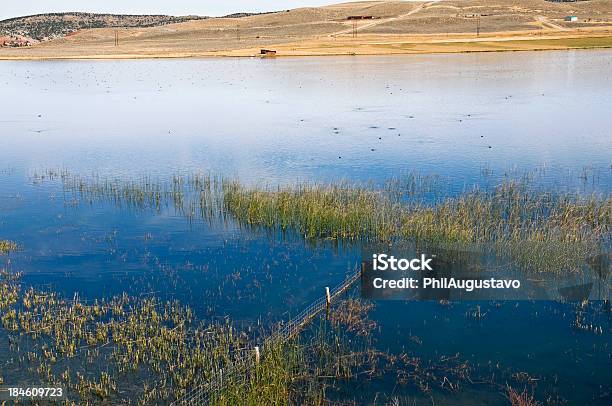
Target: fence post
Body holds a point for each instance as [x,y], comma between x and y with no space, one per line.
[205,393]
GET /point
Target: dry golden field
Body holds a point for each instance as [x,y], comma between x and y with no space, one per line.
[396,27]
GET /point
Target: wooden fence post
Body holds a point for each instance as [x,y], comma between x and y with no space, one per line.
[328,299]
[257,355]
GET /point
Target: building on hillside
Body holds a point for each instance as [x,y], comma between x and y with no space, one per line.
[571,19]
[360,18]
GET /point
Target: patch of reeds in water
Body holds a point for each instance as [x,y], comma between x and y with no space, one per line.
[538,230]
[138,350]
[92,348]
[315,212]
[86,347]
[521,399]
[7,246]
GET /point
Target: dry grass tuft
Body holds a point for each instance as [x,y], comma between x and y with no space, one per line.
[7,246]
[521,399]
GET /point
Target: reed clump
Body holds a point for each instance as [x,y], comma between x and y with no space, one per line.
[91,348]
[9,289]
[353,315]
[271,381]
[336,212]
[7,246]
[86,346]
[522,398]
[538,230]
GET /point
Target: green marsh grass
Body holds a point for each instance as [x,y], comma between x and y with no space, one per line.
[334,212]
[92,347]
[536,229]
[88,347]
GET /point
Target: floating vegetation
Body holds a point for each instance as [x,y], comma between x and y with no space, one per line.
[139,349]
[87,347]
[7,246]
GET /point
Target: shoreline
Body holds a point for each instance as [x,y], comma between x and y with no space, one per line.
[318,47]
[297,56]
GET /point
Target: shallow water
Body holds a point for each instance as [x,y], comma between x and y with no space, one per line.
[471,119]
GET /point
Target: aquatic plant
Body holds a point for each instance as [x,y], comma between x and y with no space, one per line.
[521,399]
[90,348]
[269,381]
[336,212]
[86,346]
[353,315]
[9,289]
[535,229]
[152,340]
[98,349]
[7,246]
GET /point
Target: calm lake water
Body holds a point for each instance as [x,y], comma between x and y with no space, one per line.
[472,119]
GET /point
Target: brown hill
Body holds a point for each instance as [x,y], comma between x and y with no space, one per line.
[42,27]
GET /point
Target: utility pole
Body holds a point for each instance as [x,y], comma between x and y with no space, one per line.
[478,26]
[116,38]
[237,32]
[354,29]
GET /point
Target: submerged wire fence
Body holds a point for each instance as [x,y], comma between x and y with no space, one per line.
[209,391]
